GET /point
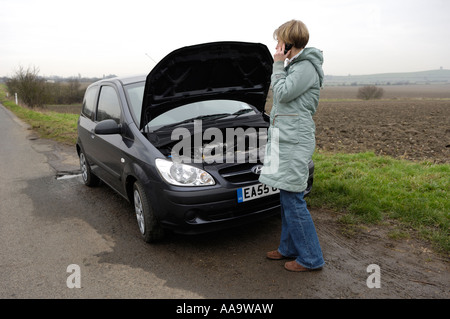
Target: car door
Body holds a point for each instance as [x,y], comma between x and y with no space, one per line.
[106,149]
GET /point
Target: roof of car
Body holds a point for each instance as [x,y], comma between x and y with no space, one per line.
[123,79]
[132,79]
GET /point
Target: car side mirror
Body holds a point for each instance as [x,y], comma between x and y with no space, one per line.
[108,127]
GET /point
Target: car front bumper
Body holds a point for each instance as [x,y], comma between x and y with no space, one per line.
[196,211]
[200,211]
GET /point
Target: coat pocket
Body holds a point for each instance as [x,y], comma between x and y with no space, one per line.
[287,125]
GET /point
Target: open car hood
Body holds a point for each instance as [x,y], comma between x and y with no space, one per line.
[219,70]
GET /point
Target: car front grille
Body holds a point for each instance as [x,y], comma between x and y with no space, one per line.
[240,173]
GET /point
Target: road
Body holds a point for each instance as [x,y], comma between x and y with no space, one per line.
[48,224]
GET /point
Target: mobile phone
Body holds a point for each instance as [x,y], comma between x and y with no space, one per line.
[287,47]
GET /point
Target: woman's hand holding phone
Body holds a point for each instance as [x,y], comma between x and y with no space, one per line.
[279,53]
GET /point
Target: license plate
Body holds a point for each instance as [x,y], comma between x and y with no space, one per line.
[255,191]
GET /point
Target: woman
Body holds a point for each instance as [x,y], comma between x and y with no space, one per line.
[291,143]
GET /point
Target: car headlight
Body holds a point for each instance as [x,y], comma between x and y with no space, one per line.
[183,175]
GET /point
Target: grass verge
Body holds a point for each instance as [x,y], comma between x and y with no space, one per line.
[372,189]
[61,127]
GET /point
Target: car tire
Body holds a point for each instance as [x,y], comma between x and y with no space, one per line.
[149,226]
[89,178]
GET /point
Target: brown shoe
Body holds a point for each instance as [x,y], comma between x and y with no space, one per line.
[275,255]
[295,266]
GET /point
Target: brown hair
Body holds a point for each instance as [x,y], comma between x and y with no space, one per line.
[294,32]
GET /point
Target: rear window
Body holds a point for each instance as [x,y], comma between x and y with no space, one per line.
[89,102]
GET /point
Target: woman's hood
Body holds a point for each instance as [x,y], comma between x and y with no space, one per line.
[315,56]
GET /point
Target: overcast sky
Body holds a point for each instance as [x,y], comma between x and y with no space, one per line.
[95,37]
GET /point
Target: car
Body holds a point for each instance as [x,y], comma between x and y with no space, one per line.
[185,143]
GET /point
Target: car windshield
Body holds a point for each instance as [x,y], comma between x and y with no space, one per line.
[209,109]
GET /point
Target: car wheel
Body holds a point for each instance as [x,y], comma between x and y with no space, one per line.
[89,179]
[149,227]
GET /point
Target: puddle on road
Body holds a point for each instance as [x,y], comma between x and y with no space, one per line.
[67,174]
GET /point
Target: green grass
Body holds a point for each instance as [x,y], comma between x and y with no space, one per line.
[61,127]
[372,189]
[366,188]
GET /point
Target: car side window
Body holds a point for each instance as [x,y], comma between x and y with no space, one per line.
[108,105]
[89,102]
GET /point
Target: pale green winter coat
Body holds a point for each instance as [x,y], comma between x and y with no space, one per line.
[296,90]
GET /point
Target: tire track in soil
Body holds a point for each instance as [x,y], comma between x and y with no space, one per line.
[408,269]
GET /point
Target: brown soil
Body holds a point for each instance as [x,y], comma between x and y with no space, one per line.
[408,129]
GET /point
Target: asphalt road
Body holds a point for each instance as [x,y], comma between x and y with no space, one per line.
[48,224]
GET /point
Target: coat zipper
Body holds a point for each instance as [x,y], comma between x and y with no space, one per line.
[273,121]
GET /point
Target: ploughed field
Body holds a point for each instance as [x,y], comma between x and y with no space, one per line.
[410,122]
[413,130]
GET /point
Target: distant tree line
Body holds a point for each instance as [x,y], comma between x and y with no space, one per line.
[36,91]
[68,92]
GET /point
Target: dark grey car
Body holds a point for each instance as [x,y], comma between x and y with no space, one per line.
[185,143]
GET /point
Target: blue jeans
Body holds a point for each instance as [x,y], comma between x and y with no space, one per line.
[298,233]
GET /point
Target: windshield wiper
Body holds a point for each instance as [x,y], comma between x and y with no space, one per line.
[205,117]
[201,117]
[243,111]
